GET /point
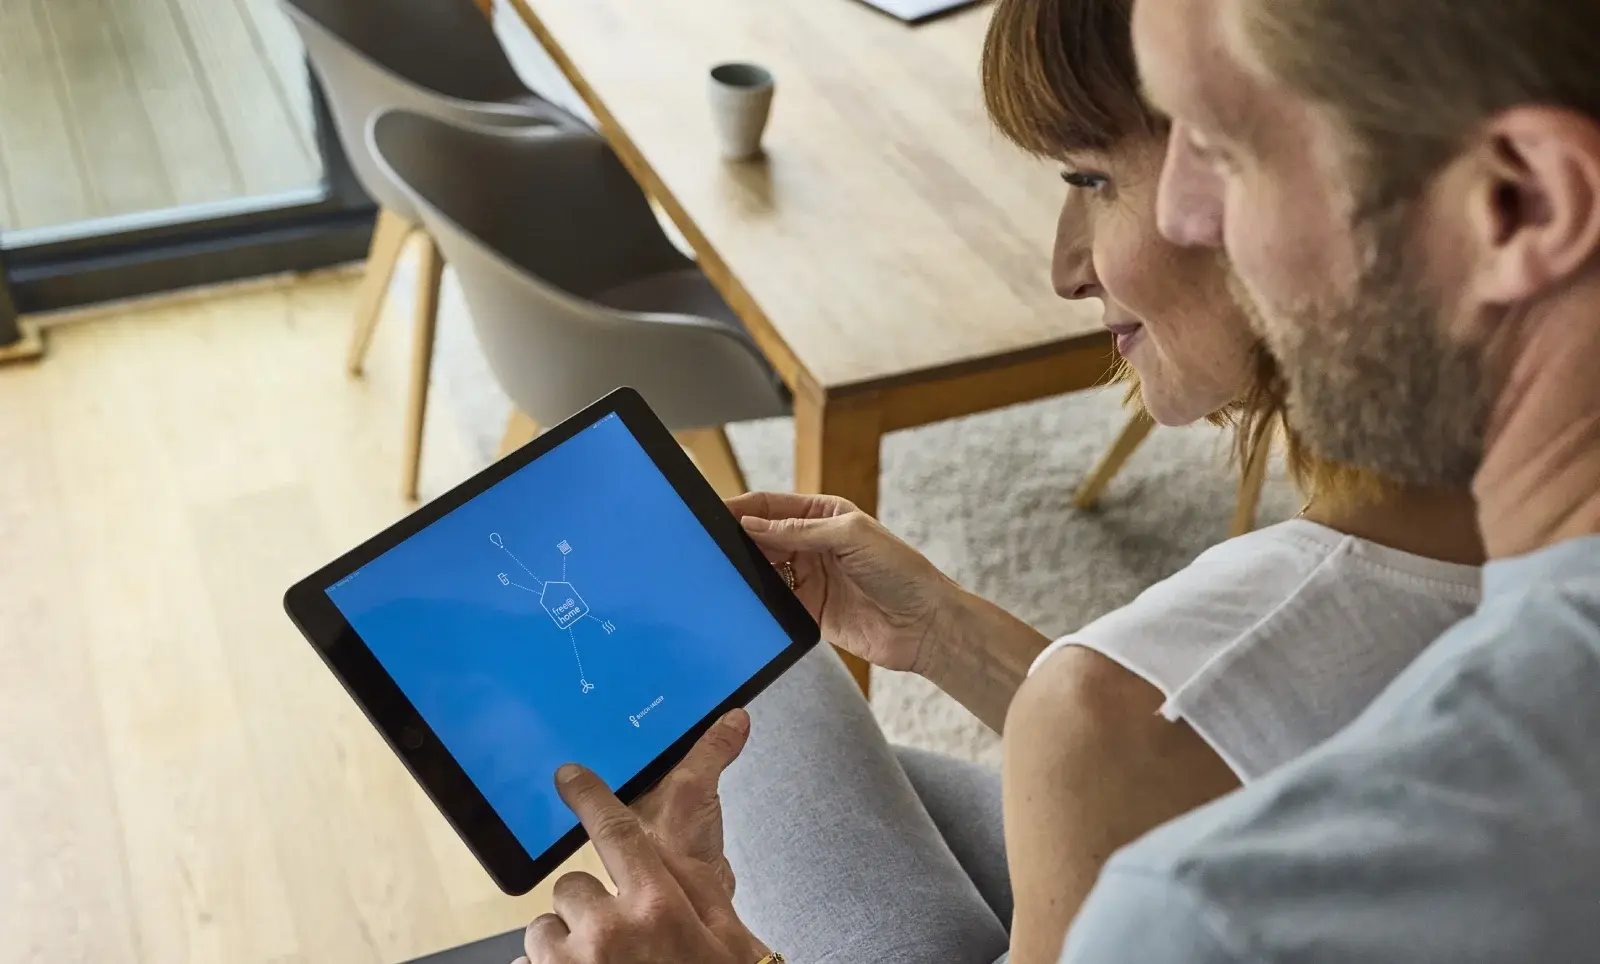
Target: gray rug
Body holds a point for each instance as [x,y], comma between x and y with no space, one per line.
[987,498]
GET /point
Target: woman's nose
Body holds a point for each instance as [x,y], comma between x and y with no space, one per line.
[1075,278]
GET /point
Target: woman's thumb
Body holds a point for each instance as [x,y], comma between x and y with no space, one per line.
[795,535]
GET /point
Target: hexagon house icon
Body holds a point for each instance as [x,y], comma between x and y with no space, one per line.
[563,603]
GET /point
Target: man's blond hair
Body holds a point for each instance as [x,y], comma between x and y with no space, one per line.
[1413,80]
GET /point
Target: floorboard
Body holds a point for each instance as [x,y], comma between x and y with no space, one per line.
[64,893]
[193,785]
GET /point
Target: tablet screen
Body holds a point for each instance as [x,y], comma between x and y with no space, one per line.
[575,611]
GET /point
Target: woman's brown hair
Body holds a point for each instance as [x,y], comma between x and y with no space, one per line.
[1059,76]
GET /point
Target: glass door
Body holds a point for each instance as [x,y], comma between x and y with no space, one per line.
[154,144]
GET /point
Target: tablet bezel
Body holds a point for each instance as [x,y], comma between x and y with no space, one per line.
[483,831]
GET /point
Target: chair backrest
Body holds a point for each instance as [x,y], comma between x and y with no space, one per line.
[446,46]
[536,223]
[436,57]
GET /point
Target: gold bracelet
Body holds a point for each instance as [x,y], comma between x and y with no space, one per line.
[773,958]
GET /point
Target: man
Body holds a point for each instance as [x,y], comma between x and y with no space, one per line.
[1436,164]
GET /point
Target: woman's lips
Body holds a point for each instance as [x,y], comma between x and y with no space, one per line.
[1127,335]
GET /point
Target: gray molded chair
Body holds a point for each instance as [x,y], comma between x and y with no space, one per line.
[573,287]
[436,57]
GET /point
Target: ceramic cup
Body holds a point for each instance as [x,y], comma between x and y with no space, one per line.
[741,100]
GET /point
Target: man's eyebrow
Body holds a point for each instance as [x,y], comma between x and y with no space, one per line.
[1232,118]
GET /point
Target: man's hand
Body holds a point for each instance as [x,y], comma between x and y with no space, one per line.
[683,811]
[668,909]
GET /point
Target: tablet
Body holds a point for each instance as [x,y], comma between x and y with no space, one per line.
[919,11]
[587,599]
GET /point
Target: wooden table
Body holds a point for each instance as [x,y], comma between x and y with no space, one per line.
[891,253]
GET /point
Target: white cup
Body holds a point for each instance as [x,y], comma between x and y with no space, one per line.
[741,101]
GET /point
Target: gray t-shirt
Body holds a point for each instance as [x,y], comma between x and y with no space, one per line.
[1456,820]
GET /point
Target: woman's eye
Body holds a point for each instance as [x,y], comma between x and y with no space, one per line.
[1084,180]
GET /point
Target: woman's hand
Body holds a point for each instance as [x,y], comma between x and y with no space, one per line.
[872,594]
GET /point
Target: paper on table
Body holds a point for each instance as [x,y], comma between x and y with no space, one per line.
[913,11]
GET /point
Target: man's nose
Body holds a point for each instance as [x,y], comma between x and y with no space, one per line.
[1189,200]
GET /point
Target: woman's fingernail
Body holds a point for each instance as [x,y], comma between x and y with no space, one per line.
[753,523]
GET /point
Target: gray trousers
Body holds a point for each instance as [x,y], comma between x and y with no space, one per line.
[847,850]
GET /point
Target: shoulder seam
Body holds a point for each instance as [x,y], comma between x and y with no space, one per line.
[1349,544]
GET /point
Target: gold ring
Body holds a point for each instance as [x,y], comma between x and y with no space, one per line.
[787,572]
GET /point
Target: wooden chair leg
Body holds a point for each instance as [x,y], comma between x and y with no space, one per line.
[1250,484]
[1111,463]
[711,451]
[520,430]
[430,274]
[388,241]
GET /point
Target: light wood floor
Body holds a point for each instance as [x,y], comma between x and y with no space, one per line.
[112,107]
[181,780]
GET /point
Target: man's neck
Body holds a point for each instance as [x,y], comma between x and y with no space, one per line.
[1539,483]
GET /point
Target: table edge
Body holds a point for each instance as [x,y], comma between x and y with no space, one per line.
[788,365]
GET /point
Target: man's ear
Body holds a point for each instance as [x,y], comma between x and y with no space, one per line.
[1534,202]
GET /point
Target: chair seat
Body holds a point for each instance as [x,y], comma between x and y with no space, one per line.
[685,292]
[682,292]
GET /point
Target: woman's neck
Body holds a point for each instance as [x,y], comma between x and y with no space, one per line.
[1433,523]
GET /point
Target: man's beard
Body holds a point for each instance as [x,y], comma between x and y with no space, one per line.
[1374,382]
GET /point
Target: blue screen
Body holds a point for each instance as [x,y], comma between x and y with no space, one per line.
[575,612]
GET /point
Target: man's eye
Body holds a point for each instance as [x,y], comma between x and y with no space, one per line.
[1084,180]
[1210,155]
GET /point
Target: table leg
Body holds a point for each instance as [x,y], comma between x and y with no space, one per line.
[837,453]
[712,452]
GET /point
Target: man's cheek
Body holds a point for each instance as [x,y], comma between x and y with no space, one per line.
[1249,247]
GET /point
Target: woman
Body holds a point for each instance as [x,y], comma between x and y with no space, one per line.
[848,850]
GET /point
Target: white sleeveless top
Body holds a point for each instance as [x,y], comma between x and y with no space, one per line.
[1270,643]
